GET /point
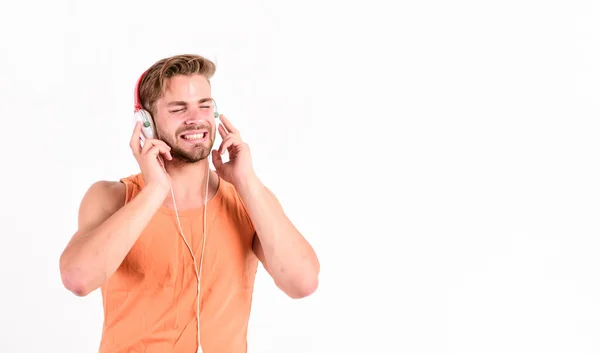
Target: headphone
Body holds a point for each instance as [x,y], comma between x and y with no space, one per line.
[149,131]
[144,116]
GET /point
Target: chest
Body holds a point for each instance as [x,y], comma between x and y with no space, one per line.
[162,259]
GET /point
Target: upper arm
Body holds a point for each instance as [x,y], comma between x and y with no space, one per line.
[100,202]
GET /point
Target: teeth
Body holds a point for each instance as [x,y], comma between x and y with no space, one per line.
[194,136]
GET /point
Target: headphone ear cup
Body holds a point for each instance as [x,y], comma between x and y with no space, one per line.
[148,129]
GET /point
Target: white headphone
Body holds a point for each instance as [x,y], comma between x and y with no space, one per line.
[149,131]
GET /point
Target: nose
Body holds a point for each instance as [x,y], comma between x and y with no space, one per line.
[194,116]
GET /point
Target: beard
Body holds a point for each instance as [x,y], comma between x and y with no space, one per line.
[188,153]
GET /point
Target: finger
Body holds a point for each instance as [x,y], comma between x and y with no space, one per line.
[134,143]
[148,144]
[168,155]
[222,131]
[217,160]
[228,125]
[156,147]
[154,151]
[161,143]
[158,151]
[227,143]
[154,142]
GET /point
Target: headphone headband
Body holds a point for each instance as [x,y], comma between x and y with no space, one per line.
[136,95]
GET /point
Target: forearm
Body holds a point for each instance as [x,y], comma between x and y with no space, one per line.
[288,257]
[92,258]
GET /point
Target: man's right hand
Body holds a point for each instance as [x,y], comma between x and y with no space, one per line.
[149,161]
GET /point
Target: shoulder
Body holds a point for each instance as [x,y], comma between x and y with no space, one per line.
[101,200]
[108,188]
[106,195]
[131,186]
[233,203]
[115,194]
[229,194]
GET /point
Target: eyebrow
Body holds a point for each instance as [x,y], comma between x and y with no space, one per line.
[180,103]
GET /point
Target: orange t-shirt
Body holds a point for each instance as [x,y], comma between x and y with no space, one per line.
[150,301]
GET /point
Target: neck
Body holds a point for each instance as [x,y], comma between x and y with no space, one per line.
[189,183]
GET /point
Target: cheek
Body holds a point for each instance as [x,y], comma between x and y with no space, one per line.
[165,133]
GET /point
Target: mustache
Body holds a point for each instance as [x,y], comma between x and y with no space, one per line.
[195,127]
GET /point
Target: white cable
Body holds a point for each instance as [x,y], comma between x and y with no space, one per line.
[198,270]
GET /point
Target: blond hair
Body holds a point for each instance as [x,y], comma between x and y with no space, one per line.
[156,78]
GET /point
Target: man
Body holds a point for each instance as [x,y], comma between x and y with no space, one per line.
[176,273]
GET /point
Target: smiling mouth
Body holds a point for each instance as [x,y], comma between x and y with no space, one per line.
[195,137]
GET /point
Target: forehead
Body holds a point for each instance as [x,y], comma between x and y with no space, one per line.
[186,88]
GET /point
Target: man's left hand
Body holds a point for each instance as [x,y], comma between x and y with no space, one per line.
[239,168]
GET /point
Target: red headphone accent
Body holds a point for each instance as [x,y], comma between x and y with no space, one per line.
[137,101]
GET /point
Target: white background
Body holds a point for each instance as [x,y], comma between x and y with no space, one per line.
[441,156]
